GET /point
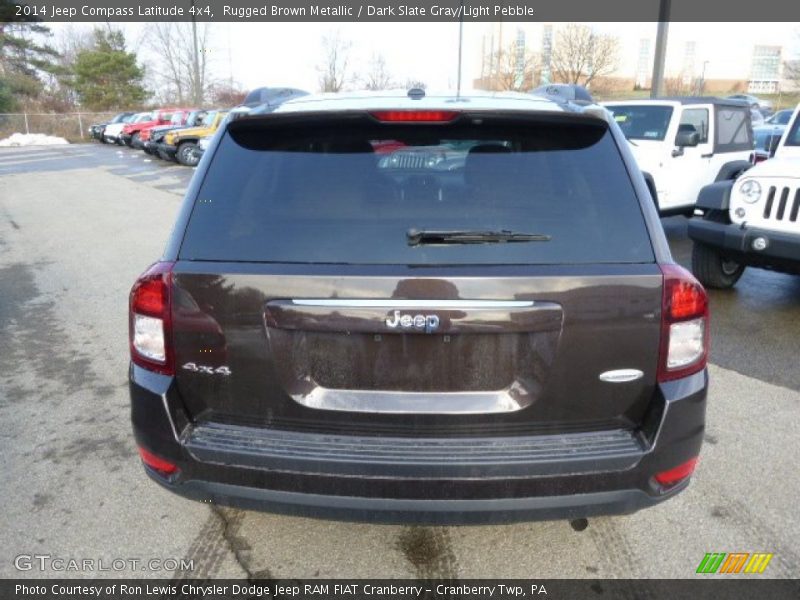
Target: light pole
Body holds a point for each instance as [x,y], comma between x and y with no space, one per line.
[460,48]
[702,85]
[197,91]
[657,85]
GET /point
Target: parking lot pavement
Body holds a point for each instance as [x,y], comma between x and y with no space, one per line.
[131,164]
[76,227]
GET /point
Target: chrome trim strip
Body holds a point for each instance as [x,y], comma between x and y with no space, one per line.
[169,417]
[621,375]
[390,402]
[389,303]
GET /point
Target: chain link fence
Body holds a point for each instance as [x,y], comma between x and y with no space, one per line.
[72,126]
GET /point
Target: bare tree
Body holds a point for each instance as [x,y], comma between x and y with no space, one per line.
[412,83]
[580,54]
[59,93]
[227,93]
[677,86]
[510,68]
[336,56]
[176,77]
[377,77]
[791,71]
[791,68]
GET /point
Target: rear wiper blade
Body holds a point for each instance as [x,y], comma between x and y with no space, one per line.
[469,236]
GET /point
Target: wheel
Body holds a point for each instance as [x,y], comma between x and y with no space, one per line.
[712,269]
[186,154]
[134,142]
[164,156]
[102,139]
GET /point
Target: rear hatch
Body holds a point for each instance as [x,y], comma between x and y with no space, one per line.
[501,282]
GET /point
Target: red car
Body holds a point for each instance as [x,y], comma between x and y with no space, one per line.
[131,133]
[179,117]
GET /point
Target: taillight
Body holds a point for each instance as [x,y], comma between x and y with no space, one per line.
[150,322]
[415,116]
[677,474]
[158,464]
[684,325]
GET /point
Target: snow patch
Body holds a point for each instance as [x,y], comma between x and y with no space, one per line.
[32,139]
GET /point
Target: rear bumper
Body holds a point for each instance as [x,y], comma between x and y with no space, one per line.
[415,480]
[412,510]
[782,252]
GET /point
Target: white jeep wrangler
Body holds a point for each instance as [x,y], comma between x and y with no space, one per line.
[683,144]
[754,221]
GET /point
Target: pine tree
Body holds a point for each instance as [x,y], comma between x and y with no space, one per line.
[25,60]
[107,76]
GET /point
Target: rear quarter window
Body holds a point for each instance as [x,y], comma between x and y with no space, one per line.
[349,191]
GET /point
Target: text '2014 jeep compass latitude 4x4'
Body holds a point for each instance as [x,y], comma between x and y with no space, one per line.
[415,308]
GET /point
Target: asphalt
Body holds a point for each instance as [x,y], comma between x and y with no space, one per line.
[78,224]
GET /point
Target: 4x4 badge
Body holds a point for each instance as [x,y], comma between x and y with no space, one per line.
[207,370]
[427,323]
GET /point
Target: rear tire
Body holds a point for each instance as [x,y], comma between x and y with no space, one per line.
[186,155]
[134,141]
[712,269]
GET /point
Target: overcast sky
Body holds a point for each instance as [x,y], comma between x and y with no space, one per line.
[274,54]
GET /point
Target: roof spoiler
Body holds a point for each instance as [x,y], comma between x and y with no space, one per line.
[265,99]
[565,92]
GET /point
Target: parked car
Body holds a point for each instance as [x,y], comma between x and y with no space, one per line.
[178,118]
[506,341]
[756,118]
[765,141]
[156,137]
[682,144]
[200,148]
[753,222]
[765,106]
[180,145]
[97,130]
[131,132]
[113,132]
[782,118]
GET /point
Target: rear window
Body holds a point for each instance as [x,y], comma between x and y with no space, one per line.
[734,130]
[639,122]
[348,192]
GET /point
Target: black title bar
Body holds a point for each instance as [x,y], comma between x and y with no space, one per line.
[243,11]
[699,588]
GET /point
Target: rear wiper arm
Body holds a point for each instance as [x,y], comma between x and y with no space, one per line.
[469,236]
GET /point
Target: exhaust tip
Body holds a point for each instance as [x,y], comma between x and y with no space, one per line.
[579,524]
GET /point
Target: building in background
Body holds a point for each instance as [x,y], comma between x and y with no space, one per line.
[644,66]
[546,63]
[688,69]
[701,59]
[765,70]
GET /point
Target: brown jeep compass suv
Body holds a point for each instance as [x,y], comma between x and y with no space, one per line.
[420,308]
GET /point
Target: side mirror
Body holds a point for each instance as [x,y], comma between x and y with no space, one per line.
[686,139]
